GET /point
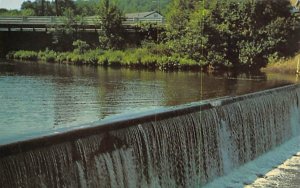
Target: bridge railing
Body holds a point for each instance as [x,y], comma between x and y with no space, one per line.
[52,20]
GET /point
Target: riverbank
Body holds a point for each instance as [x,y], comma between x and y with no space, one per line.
[287,66]
[146,58]
[133,58]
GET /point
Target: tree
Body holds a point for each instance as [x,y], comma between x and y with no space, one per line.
[178,17]
[62,5]
[64,35]
[111,35]
[57,8]
[39,7]
[86,8]
[43,7]
[246,32]
[230,33]
[184,33]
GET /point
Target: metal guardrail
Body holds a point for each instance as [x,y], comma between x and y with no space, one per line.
[53,20]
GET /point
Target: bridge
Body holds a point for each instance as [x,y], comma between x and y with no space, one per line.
[44,23]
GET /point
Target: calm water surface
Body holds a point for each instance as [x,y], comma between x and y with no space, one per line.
[39,99]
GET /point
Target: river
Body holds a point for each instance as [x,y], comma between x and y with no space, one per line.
[39,98]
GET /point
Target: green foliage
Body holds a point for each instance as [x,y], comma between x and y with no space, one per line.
[63,35]
[87,7]
[80,46]
[229,33]
[136,58]
[112,31]
[48,8]
[143,5]
[47,55]
[125,5]
[26,12]
[25,55]
[218,33]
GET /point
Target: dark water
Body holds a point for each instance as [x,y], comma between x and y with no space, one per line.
[41,98]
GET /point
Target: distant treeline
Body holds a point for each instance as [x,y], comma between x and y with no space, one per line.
[82,7]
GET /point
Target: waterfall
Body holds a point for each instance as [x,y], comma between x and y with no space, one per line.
[185,146]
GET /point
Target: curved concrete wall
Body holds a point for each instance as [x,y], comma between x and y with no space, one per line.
[187,145]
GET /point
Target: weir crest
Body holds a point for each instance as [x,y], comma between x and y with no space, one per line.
[185,146]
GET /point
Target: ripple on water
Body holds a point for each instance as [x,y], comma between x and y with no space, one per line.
[39,99]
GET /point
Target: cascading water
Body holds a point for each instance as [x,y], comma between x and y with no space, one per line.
[183,147]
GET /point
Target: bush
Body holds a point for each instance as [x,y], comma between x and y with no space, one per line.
[115,58]
[48,55]
[140,57]
[62,57]
[102,60]
[131,59]
[80,46]
[149,60]
[91,56]
[25,55]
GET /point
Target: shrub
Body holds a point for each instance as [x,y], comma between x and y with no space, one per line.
[62,57]
[149,60]
[48,55]
[102,60]
[76,58]
[115,58]
[80,46]
[130,59]
[26,55]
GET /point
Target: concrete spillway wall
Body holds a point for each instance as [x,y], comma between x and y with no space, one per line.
[187,145]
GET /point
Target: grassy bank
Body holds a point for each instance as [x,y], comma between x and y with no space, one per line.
[136,58]
[288,66]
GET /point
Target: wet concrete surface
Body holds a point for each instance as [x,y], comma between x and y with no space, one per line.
[287,175]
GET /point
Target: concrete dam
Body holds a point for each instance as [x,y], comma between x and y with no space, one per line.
[183,146]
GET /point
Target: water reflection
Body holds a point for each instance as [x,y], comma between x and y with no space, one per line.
[37,97]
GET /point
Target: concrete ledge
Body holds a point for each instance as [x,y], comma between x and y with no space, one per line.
[121,122]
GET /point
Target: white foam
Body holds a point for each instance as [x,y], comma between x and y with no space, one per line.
[249,172]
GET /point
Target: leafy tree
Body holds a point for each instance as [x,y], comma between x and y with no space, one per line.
[47,7]
[178,17]
[143,5]
[62,5]
[86,8]
[229,33]
[111,35]
[64,34]
[39,7]
[26,12]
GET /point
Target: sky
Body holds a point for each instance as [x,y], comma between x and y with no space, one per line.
[11,4]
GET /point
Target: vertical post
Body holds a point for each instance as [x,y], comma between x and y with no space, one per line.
[56,8]
[43,7]
[298,66]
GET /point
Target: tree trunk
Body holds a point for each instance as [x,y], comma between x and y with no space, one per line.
[56,8]
[43,7]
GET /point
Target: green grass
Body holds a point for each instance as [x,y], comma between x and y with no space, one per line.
[284,65]
[136,58]
[24,55]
